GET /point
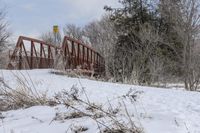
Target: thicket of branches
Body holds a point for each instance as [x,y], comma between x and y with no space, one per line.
[147,41]
[157,41]
[4,35]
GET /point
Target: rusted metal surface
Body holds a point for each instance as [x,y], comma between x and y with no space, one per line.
[79,55]
[31,53]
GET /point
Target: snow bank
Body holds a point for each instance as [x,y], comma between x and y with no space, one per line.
[157,110]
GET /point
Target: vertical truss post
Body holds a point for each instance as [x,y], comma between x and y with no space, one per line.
[88,58]
[31,58]
[73,59]
[78,55]
[20,56]
[49,52]
[94,58]
[83,55]
[40,65]
[91,56]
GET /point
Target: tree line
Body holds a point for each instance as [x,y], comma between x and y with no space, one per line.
[157,41]
[147,41]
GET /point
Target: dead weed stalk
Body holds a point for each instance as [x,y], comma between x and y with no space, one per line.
[107,119]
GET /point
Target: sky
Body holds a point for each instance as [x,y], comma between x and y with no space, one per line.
[34,17]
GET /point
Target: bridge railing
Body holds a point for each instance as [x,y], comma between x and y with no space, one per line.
[31,53]
[81,55]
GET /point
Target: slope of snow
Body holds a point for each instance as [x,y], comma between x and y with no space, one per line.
[157,110]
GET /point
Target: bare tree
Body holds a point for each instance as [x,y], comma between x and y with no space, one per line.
[188,27]
[4,34]
[73,31]
[47,37]
[102,37]
[185,18]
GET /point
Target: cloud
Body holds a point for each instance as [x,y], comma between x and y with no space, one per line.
[28,7]
[37,16]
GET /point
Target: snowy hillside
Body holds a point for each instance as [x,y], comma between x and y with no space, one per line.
[155,110]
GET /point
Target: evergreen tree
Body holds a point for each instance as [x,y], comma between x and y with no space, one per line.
[148,46]
[131,20]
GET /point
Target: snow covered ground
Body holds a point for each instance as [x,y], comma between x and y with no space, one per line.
[156,110]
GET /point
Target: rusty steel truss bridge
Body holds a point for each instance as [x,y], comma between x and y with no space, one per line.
[32,53]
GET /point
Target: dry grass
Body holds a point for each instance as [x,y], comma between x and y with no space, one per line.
[67,116]
[78,129]
[4,59]
[78,73]
[98,113]
[69,73]
[22,96]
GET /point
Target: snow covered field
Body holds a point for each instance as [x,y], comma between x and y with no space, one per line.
[156,110]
